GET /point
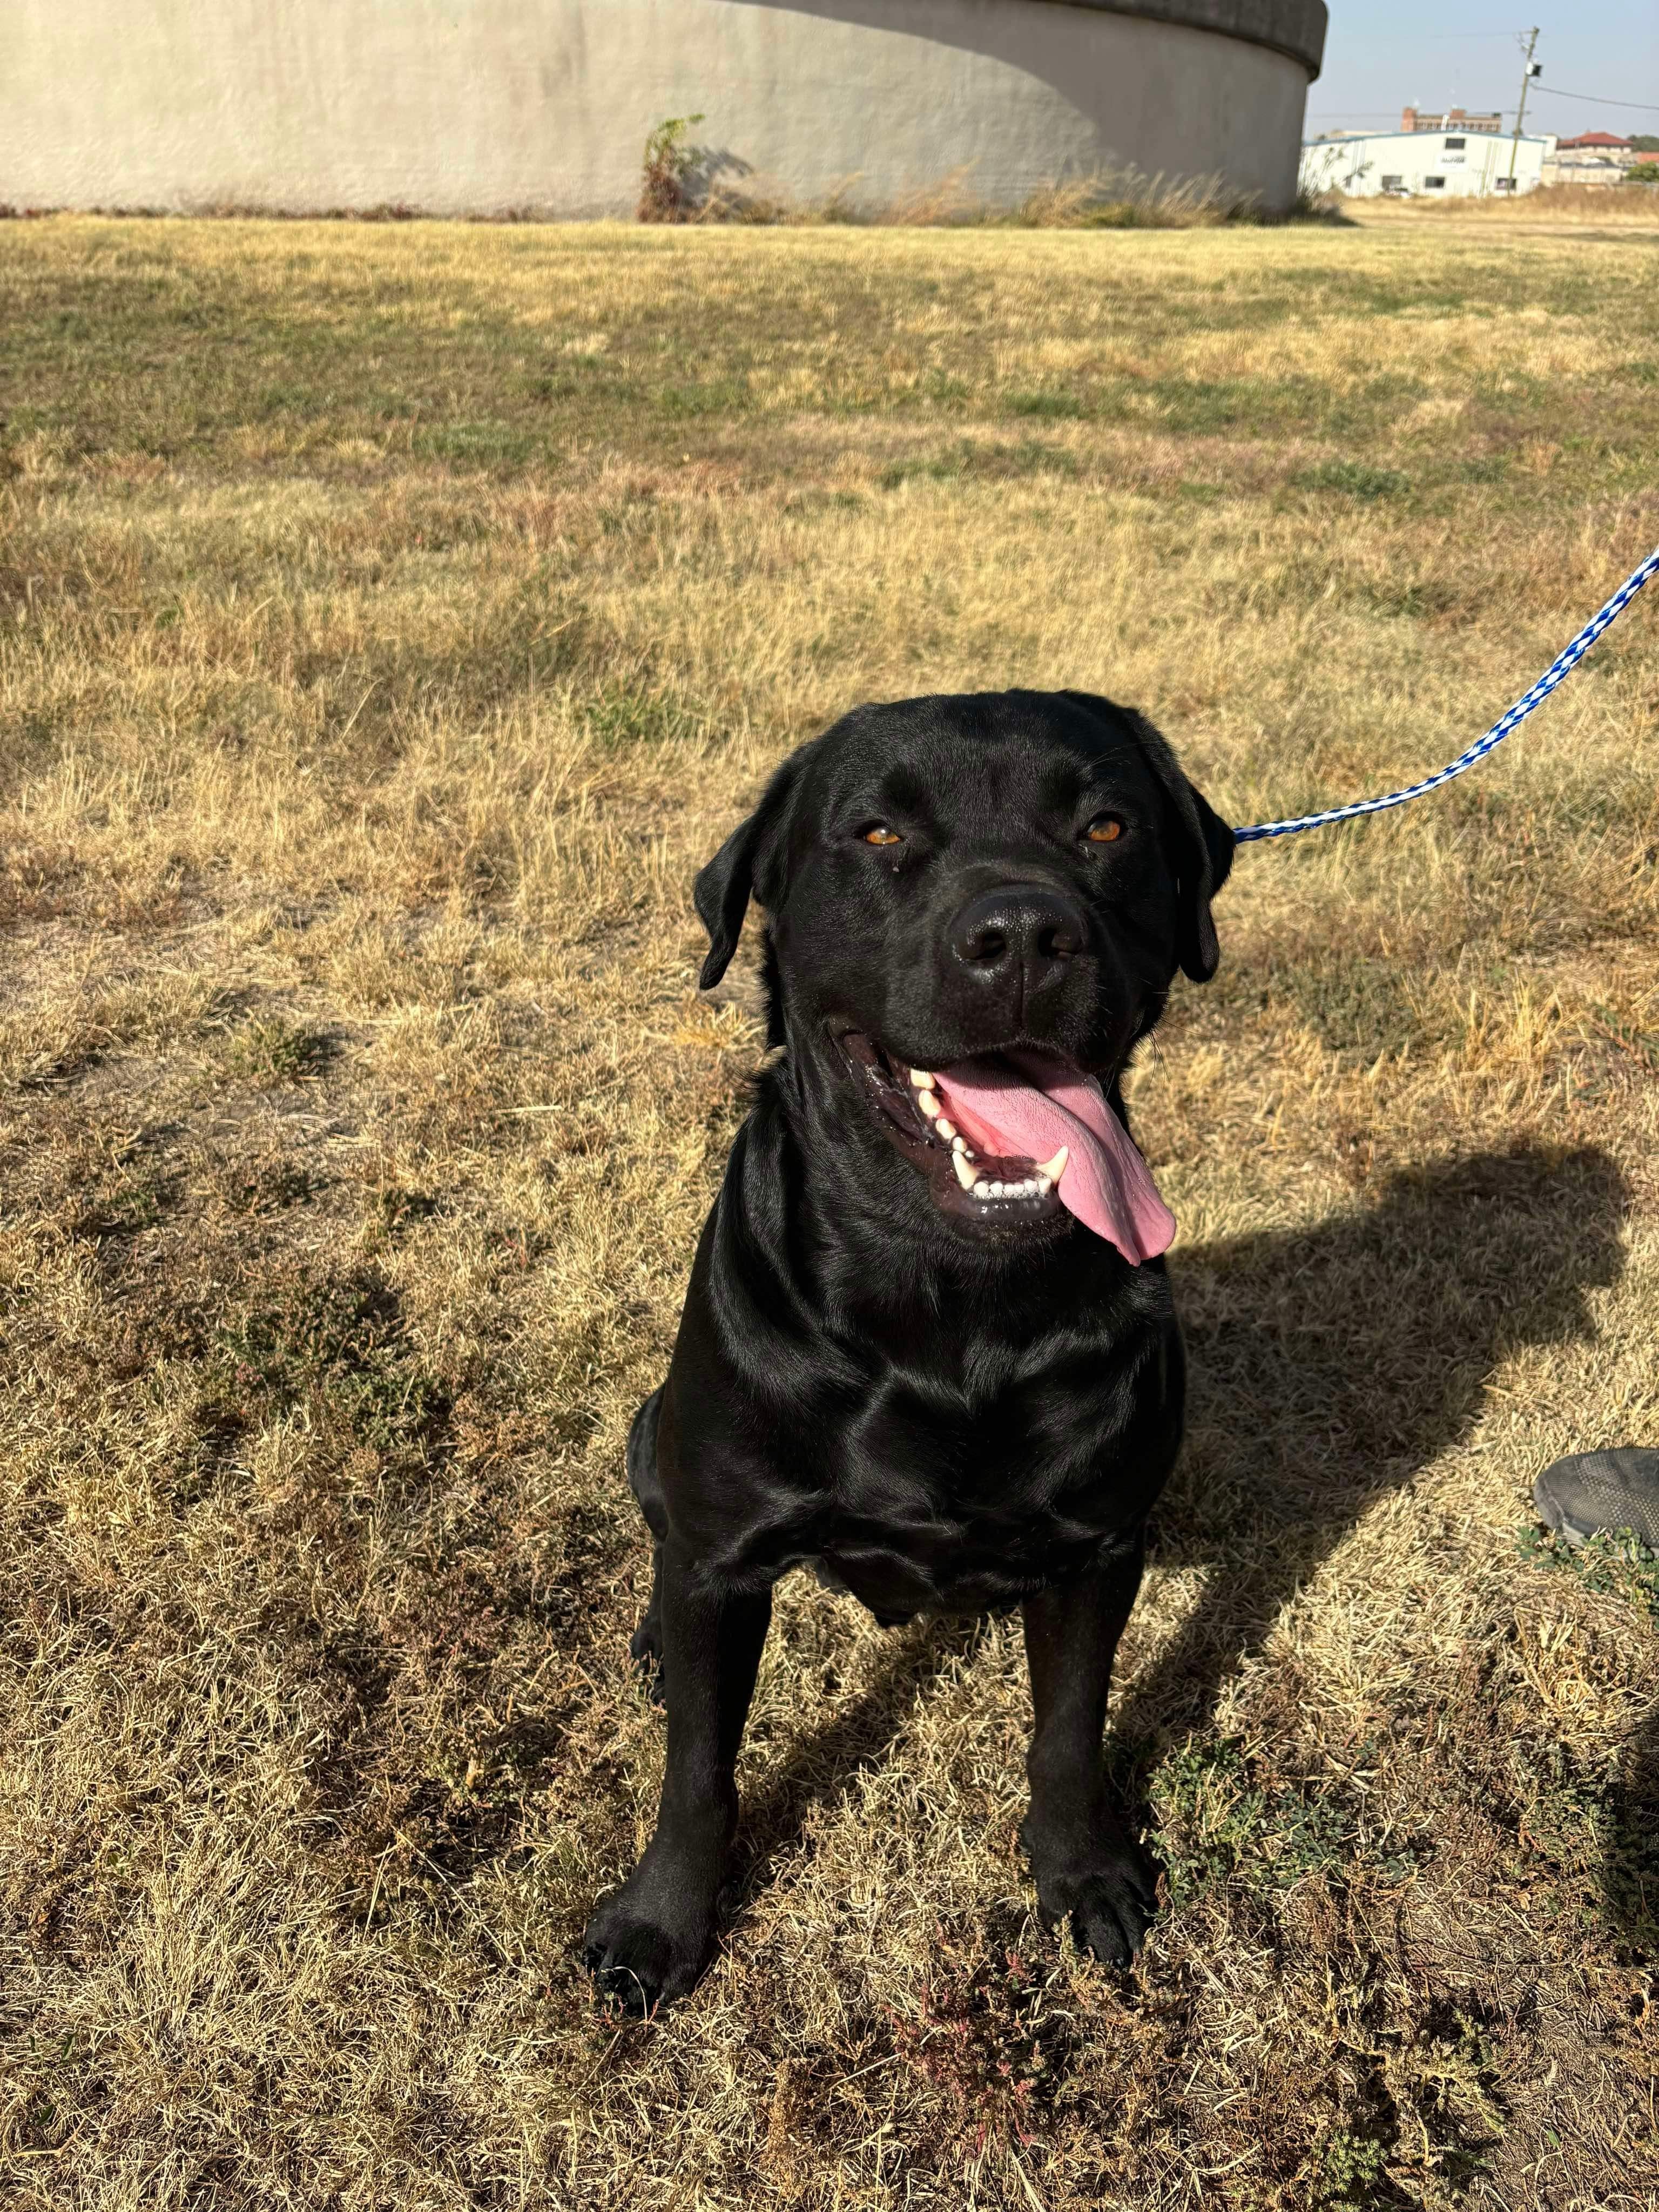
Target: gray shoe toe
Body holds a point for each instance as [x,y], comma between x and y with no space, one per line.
[1591,1491]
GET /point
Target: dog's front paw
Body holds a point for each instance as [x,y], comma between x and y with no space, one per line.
[1110,1897]
[639,1959]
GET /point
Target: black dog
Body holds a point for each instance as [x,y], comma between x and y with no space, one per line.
[921,1350]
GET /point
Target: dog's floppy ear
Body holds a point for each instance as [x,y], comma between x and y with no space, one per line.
[1204,843]
[1204,854]
[750,864]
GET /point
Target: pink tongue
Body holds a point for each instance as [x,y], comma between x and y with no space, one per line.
[1025,1108]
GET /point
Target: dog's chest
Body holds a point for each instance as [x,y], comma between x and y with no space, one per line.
[959,1501]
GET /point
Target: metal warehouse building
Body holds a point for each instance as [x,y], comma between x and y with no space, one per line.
[1454,165]
[482,106]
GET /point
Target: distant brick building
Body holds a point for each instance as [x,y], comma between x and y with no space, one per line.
[1455,120]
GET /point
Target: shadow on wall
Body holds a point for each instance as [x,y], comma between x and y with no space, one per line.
[1023,38]
[712,171]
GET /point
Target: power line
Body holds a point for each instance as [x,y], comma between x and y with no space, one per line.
[1427,38]
[1378,115]
[1538,92]
[1550,91]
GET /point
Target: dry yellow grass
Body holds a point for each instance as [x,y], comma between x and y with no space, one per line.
[1553,206]
[390,621]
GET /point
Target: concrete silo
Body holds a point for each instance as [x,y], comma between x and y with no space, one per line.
[479,107]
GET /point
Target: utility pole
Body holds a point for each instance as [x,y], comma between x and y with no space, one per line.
[1530,69]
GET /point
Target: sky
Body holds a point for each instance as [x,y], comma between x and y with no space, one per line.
[1384,55]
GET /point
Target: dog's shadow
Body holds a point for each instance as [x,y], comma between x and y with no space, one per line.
[1630,1871]
[1327,1365]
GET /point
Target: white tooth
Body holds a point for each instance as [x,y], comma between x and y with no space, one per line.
[964,1173]
[921,1078]
[960,1145]
[992,1190]
[928,1103]
[1055,1168]
[1043,1186]
[946,1129]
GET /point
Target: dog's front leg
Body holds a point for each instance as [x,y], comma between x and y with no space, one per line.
[1087,1865]
[651,1939]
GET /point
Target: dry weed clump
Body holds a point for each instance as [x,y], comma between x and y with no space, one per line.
[685,183]
[390,619]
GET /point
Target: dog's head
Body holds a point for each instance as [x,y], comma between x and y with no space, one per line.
[976,905]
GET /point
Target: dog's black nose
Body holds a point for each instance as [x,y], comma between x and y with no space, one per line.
[1017,929]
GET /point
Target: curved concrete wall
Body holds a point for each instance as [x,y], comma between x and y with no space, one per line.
[544,105]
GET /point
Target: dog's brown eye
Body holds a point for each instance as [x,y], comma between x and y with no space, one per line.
[879,834]
[1104,829]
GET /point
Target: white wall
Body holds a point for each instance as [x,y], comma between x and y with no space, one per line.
[1358,166]
[484,106]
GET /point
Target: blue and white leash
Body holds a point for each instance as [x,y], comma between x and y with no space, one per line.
[1494,737]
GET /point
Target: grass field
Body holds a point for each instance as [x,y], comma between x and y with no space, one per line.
[391,620]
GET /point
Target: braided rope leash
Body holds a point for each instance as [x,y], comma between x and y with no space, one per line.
[1494,737]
